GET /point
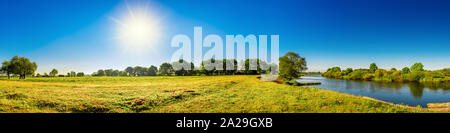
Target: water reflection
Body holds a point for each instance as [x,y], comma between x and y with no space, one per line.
[407,93]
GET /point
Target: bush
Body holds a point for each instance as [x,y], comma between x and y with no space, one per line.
[415,76]
[368,76]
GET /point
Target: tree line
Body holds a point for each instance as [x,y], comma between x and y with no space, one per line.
[415,73]
[291,66]
[208,67]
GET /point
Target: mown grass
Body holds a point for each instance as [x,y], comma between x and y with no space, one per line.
[183,94]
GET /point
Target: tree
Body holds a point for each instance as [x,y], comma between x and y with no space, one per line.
[80,74]
[393,69]
[139,71]
[22,66]
[122,73]
[152,70]
[230,66]
[6,67]
[115,73]
[380,73]
[373,68]
[73,74]
[405,70]
[166,69]
[348,70]
[291,65]
[417,67]
[53,73]
[130,71]
[101,72]
[183,68]
[109,72]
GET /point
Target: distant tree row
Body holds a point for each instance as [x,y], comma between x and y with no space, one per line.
[415,73]
[54,73]
[184,68]
[291,66]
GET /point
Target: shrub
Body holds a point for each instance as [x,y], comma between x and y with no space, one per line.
[368,76]
[415,76]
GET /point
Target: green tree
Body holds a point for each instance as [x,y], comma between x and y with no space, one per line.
[417,67]
[116,73]
[182,67]
[291,66]
[101,72]
[53,73]
[230,66]
[165,69]
[6,67]
[80,74]
[380,73]
[348,70]
[73,74]
[405,70]
[140,71]
[130,71]
[152,70]
[109,72]
[373,68]
[22,66]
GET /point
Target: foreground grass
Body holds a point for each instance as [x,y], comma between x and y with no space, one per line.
[197,94]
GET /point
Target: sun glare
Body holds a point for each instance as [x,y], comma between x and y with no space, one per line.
[137,28]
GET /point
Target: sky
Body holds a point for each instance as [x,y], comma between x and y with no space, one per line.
[87,35]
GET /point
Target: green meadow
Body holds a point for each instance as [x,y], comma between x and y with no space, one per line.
[177,94]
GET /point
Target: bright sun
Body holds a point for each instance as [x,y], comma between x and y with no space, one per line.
[137,29]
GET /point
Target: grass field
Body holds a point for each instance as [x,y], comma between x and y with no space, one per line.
[182,94]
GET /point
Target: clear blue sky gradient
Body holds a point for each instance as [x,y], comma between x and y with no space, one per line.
[75,34]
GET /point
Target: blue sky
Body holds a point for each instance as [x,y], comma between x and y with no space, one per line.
[78,35]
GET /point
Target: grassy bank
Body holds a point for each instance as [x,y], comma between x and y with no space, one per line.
[199,94]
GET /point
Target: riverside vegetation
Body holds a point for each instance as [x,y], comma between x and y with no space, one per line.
[414,74]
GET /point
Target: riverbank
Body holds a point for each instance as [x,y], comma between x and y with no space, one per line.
[182,94]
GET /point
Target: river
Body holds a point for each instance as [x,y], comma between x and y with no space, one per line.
[410,93]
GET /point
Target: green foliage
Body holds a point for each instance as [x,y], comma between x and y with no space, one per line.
[166,69]
[53,73]
[380,73]
[348,70]
[22,66]
[291,66]
[80,74]
[358,74]
[152,70]
[6,68]
[130,71]
[373,68]
[417,74]
[405,70]
[417,67]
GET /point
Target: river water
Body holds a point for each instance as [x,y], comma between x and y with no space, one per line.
[412,94]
